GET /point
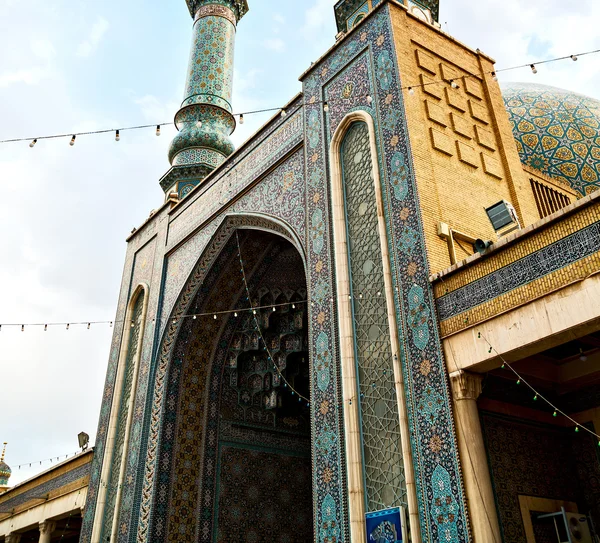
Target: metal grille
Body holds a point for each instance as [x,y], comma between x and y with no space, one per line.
[547,199]
[382,452]
[126,393]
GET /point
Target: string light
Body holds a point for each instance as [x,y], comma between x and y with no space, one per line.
[198,123]
[283,112]
[32,144]
[286,383]
[325,107]
[73,140]
[555,410]
[44,460]
[411,91]
[118,136]
[454,84]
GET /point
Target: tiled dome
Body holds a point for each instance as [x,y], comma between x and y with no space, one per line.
[5,473]
[557,132]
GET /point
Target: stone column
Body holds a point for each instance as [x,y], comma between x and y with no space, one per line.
[12,538]
[46,529]
[466,388]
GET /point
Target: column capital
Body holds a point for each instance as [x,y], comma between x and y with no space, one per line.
[47,526]
[13,538]
[465,385]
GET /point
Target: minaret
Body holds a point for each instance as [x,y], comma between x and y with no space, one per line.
[5,471]
[205,120]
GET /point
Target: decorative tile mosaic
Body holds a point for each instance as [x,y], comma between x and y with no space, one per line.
[280,194]
[243,172]
[76,474]
[551,258]
[537,460]
[259,489]
[380,425]
[436,466]
[557,133]
[153,422]
[126,394]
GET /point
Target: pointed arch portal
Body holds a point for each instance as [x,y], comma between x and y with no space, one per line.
[235,449]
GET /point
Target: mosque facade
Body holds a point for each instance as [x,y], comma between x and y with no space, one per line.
[335,333]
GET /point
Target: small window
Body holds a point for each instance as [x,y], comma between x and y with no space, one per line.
[548,200]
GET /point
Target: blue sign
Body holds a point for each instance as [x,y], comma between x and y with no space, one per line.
[384,526]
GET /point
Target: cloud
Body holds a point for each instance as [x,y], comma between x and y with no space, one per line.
[43,49]
[316,17]
[87,47]
[154,109]
[278,18]
[31,76]
[275,44]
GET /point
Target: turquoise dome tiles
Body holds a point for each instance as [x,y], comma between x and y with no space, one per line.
[5,473]
[557,132]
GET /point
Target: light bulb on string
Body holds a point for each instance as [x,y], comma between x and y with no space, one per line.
[118,136]
[576,429]
[72,142]
[283,113]
[454,84]
[411,91]
[494,76]
[574,58]
[235,314]
[242,118]
[369,99]
[198,124]
[32,144]
[194,317]
[22,328]
[158,129]
[582,356]
[325,107]
[88,326]
[215,317]
[68,326]
[533,69]
[273,309]
[45,327]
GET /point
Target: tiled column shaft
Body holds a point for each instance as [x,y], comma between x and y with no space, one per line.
[466,388]
[205,120]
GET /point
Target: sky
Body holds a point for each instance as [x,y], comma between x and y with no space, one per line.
[65,211]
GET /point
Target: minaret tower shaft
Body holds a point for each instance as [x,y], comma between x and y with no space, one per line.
[205,120]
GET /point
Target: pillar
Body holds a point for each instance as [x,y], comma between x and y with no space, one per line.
[466,388]
[46,529]
[12,538]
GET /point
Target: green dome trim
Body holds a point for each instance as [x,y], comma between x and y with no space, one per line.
[557,132]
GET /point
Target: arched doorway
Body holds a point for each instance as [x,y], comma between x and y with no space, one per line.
[235,450]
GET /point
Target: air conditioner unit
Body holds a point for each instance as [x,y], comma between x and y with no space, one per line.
[570,527]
